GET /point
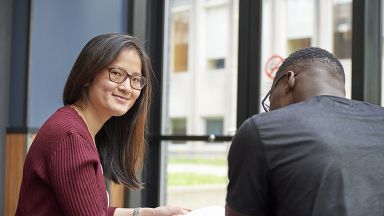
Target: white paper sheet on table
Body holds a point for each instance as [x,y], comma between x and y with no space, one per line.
[208,211]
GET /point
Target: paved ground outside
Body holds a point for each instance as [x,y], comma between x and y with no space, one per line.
[195,197]
[204,193]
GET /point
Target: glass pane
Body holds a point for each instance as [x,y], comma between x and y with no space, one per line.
[285,32]
[196,174]
[199,97]
[342,43]
[342,38]
[200,65]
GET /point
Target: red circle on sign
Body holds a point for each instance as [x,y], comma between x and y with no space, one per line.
[272,65]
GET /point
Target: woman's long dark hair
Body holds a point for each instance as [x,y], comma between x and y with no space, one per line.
[121,141]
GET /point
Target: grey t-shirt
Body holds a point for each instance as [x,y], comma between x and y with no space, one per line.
[323,156]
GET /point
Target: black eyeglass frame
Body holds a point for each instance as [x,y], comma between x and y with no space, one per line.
[265,106]
[127,75]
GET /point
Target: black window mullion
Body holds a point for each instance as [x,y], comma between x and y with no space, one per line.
[146,22]
[366,51]
[249,59]
[154,45]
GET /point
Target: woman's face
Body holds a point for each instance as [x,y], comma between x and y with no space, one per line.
[108,98]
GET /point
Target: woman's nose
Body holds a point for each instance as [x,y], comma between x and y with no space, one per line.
[126,85]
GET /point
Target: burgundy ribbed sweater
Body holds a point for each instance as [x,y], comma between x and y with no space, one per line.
[62,171]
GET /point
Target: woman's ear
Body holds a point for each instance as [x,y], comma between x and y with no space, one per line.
[291,82]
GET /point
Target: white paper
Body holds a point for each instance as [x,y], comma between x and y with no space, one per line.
[208,211]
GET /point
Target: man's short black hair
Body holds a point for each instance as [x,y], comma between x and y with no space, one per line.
[315,55]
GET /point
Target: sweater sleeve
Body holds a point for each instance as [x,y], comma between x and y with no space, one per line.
[111,211]
[76,177]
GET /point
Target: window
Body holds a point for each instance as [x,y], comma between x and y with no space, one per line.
[214,126]
[216,36]
[342,43]
[284,31]
[299,31]
[218,63]
[342,38]
[295,44]
[180,25]
[196,175]
[289,25]
[194,171]
[179,126]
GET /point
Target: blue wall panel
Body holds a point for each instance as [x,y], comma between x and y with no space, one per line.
[59,30]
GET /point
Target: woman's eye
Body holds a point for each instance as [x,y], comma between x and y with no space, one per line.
[116,73]
[136,79]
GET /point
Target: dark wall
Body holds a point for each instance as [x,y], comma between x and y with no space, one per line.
[19,63]
[5,53]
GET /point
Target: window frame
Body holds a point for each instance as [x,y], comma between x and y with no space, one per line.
[366,71]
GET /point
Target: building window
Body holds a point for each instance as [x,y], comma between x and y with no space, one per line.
[342,43]
[296,44]
[217,36]
[218,63]
[299,31]
[179,126]
[214,126]
[180,27]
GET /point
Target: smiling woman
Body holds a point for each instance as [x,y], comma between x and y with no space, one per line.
[110,98]
[100,132]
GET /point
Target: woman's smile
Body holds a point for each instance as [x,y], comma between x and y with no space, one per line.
[121,99]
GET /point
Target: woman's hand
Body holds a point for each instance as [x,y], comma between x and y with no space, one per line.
[170,211]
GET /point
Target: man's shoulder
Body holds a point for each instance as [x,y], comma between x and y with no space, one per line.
[284,113]
[298,112]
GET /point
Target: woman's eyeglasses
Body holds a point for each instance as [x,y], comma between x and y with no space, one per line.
[119,75]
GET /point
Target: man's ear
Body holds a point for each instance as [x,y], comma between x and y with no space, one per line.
[291,82]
